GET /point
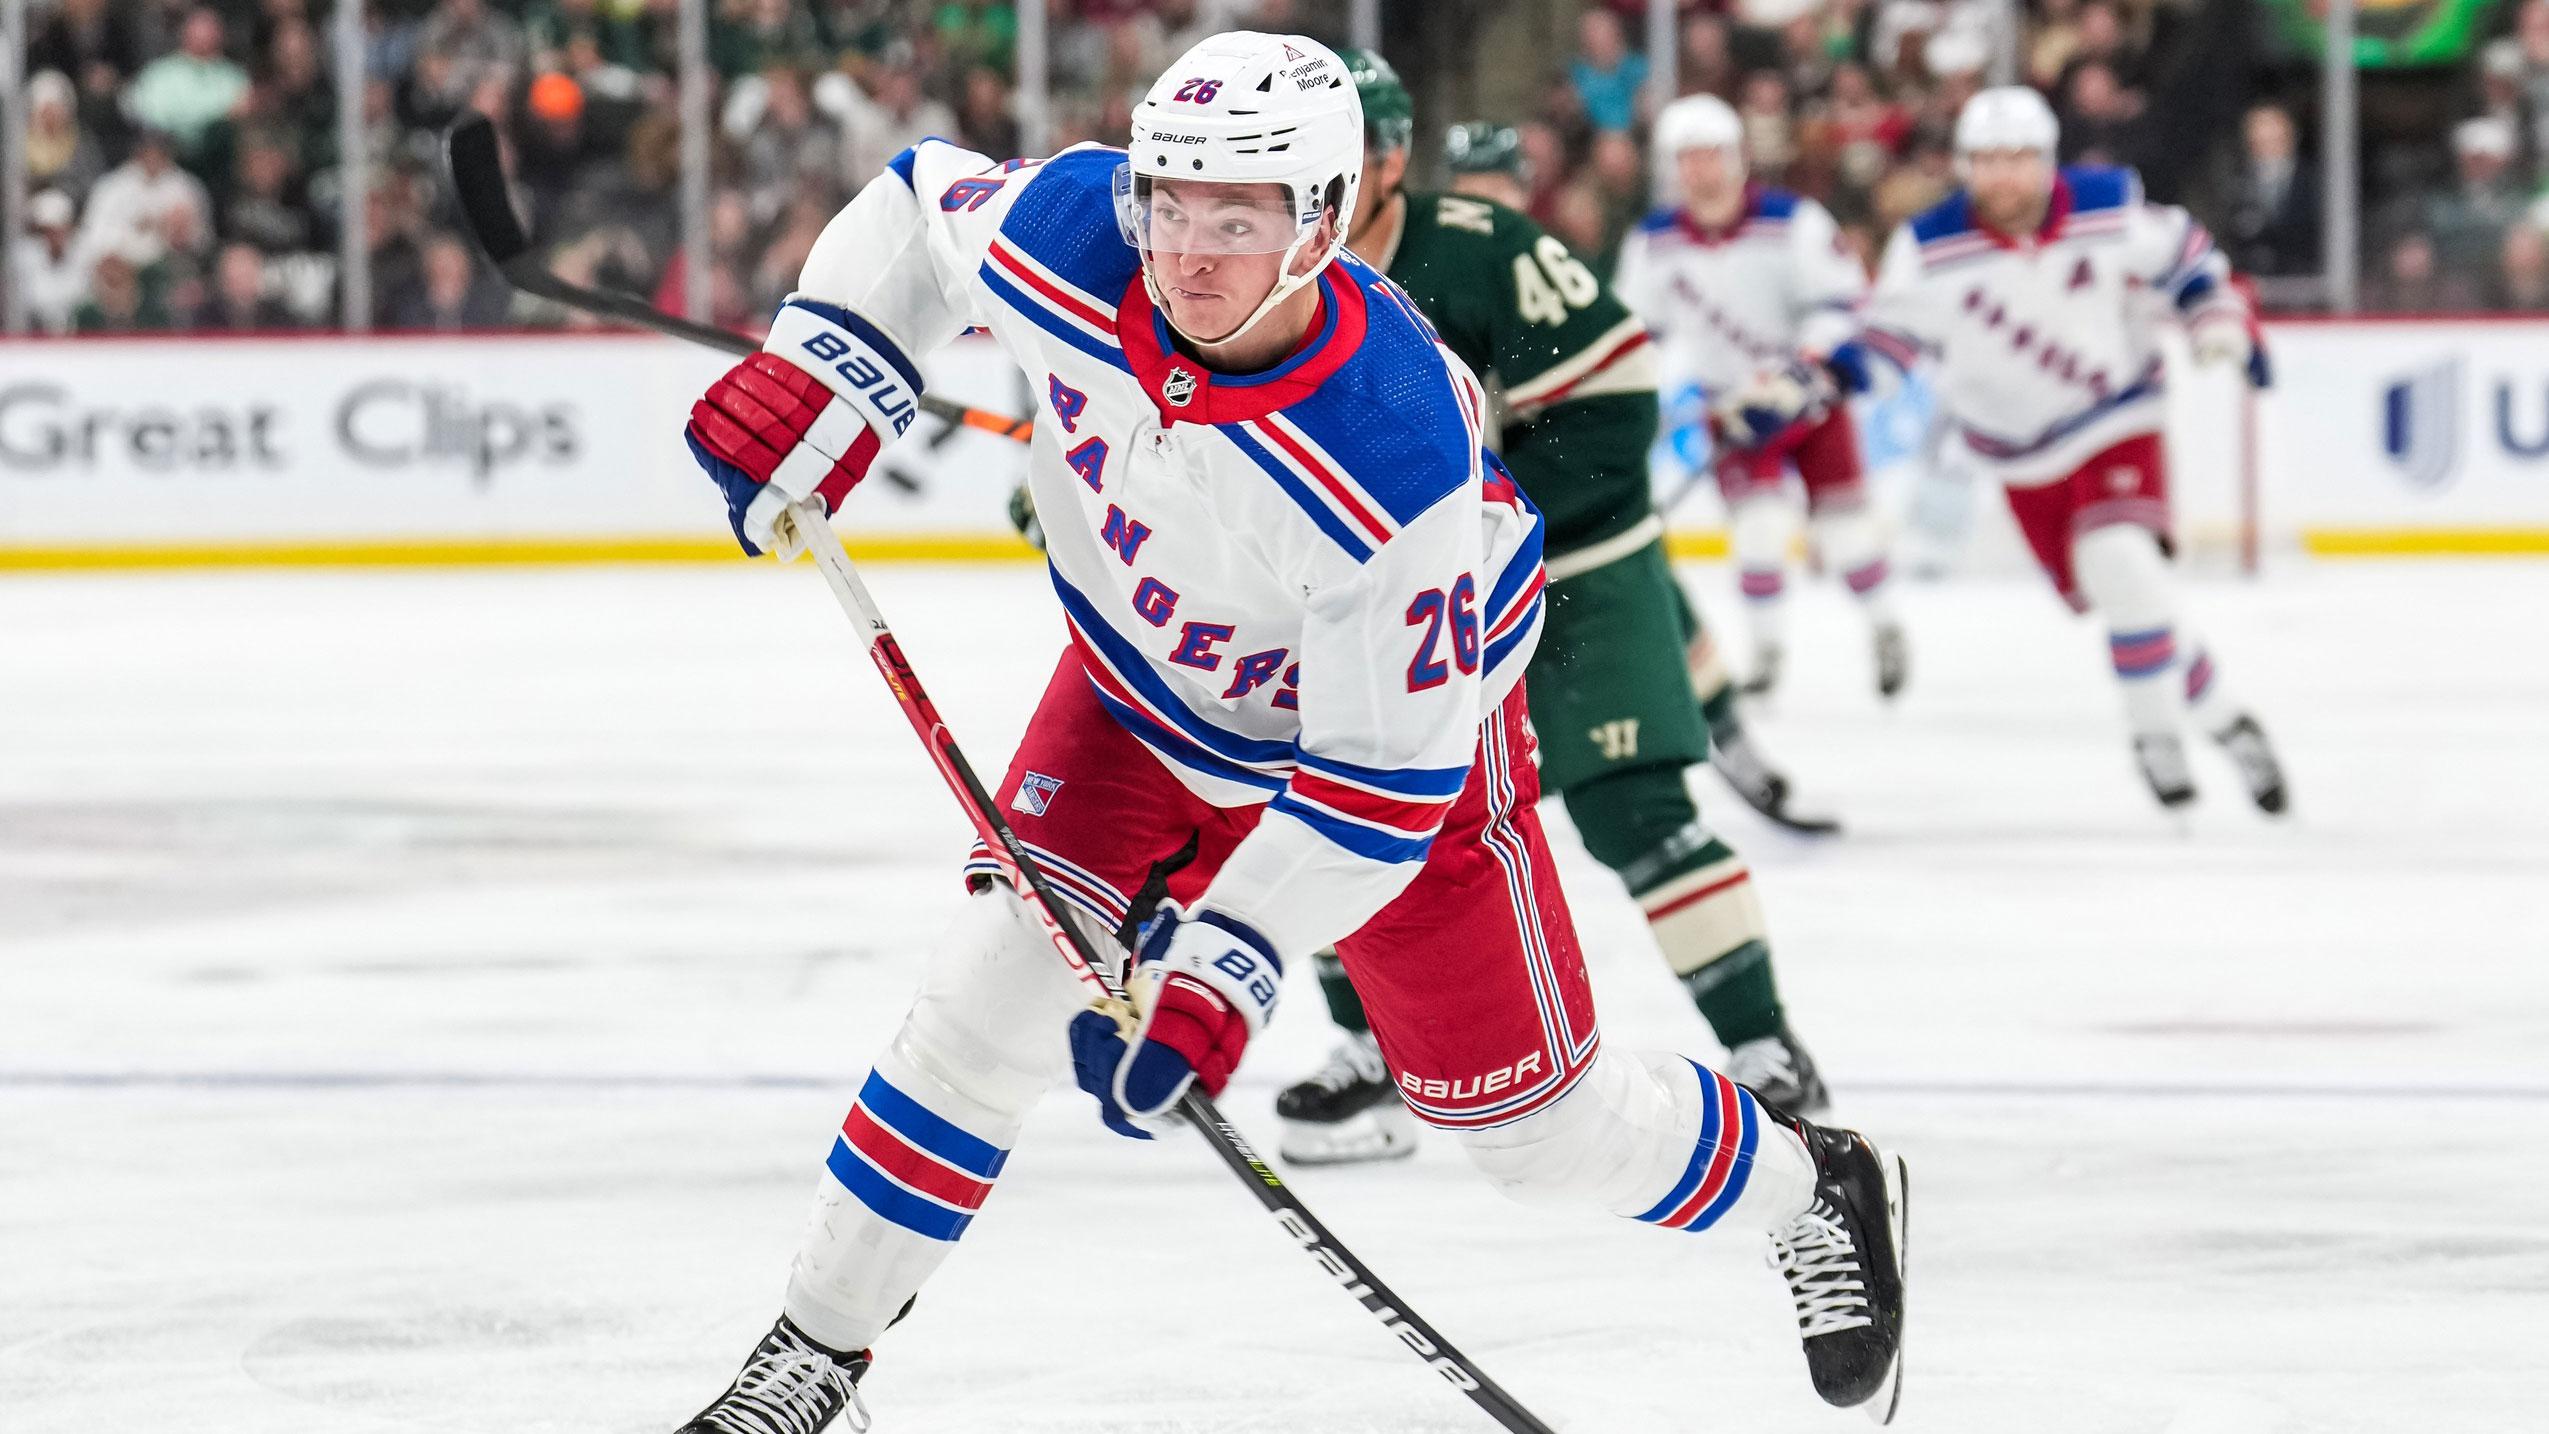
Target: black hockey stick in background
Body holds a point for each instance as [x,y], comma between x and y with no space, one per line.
[478,183]
[471,150]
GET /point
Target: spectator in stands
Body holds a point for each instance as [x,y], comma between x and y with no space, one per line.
[449,294]
[1606,74]
[2054,39]
[983,34]
[45,265]
[461,46]
[186,92]
[750,36]
[61,153]
[1770,131]
[2411,280]
[1618,172]
[730,303]
[2101,119]
[1544,159]
[138,206]
[2273,226]
[1708,57]
[2467,221]
[117,302]
[897,117]
[788,149]
[265,208]
[239,302]
[98,46]
[2522,273]
[1859,130]
[983,122]
[553,152]
[293,99]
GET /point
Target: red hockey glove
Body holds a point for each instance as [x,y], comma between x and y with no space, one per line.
[802,419]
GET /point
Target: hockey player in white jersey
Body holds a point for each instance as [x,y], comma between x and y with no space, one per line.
[2039,292]
[1749,292]
[1289,714]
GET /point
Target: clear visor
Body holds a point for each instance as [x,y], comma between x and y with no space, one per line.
[1177,216]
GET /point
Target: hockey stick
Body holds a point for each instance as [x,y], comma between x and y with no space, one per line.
[478,183]
[471,152]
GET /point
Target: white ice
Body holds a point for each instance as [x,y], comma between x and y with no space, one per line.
[427,999]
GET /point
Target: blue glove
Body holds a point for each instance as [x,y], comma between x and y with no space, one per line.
[1203,986]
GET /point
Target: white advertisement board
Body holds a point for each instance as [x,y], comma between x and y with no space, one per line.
[2410,435]
[462,444]
[2379,437]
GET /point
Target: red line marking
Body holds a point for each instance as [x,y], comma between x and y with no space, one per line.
[1700,895]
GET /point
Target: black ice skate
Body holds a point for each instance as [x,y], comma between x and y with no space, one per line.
[1767,658]
[1347,1112]
[790,1385]
[1764,788]
[1893,660]
[2246,743]
[1777,1070]
[1843,1261]
[2163,762]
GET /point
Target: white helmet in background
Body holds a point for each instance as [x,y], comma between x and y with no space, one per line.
[2006,117]
[1248,108]
[1698,122]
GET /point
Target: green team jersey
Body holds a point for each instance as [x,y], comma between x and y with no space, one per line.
[1578,374]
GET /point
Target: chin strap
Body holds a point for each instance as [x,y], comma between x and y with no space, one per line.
[1284,288]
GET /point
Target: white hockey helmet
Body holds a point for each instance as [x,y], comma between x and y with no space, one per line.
[1697,122]
[1247,108]
[2006,117]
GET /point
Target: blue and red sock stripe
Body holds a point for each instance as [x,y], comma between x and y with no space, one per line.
[1720,1164]
[2142,654]
[910,1165]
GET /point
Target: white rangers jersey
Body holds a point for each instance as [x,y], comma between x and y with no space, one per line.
[2047,346]
[1726,304]
[1303,587]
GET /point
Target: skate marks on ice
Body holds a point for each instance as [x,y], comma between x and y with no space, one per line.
[421,1005]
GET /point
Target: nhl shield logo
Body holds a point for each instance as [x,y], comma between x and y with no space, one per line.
[1035,793]
[1179,387]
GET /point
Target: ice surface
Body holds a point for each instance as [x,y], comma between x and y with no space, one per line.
[427,998]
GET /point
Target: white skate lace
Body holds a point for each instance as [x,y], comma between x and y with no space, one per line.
[782,1394]
[2163,760]
[1355,1060]
[1820,1262]
[2247,748]
[1766,1062]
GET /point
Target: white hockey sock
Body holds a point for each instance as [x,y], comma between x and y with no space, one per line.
[1758,533]
[1853,546]
[2208,698]
[933,1123]
[1656,1138]
[2126,581]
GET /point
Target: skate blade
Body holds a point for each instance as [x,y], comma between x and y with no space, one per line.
[1888,1399]
[1373,1136]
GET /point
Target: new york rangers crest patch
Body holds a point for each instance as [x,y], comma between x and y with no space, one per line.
[1035,793]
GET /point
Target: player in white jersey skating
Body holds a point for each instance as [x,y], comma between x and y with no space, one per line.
[1289,715]
[1749,292]
[2039,291]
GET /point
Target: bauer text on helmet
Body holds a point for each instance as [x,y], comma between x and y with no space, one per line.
[1240,178]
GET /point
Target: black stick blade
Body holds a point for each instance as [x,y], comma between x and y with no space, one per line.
[478,182]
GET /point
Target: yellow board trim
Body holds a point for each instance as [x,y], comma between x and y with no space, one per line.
[2425,542]
[951,547]
[471,552]
[1685,544]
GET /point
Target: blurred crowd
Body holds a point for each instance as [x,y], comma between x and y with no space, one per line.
[184,156]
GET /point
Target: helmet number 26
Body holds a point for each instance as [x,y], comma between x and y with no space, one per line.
[1199,91]
[1549,281]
